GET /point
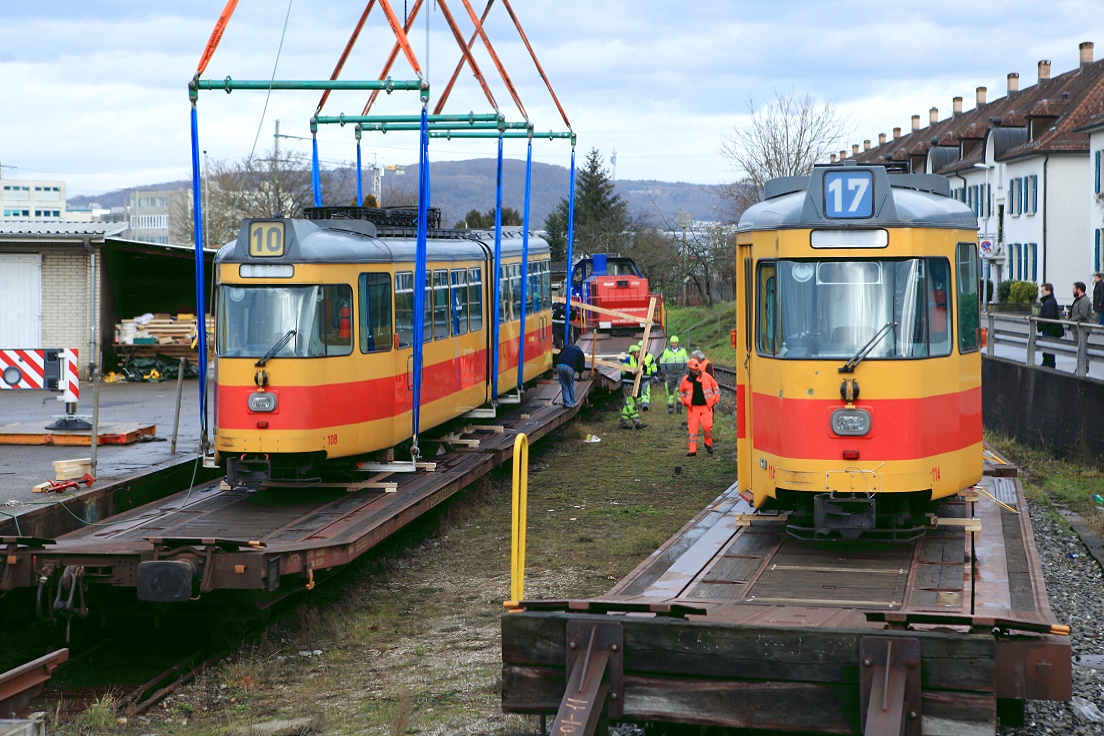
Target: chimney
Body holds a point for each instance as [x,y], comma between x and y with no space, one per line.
[1044,70]
[933,116]
[915,123]
[980,99]
[956,105]
[1013,82]
[855,149]
[1086,53]
[897,133]
[866,145]
[832,159]
[881,138]
[843,155]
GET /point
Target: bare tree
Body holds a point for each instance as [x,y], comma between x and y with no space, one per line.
[257,187]
[785,138]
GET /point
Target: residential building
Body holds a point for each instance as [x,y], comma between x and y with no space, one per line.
[1026,164]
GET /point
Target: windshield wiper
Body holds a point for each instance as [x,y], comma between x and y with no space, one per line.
[275,349]
[849,366]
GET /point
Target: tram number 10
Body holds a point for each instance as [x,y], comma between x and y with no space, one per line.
[266,238]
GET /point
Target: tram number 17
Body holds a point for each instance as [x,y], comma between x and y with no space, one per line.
[848,194]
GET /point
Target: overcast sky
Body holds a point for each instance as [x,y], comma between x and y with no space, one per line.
[95,93]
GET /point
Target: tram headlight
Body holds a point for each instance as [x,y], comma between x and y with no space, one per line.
[262,401]
[851,422]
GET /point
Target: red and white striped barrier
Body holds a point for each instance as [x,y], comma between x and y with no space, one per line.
[47,369]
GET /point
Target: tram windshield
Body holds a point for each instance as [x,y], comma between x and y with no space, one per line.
[253,319]
[832,308]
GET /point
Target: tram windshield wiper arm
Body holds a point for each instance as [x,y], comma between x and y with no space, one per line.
[849,366]
[275,349]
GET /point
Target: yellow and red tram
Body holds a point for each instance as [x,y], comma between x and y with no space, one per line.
[859,363]
[315,338]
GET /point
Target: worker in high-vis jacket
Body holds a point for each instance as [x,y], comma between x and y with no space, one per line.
[672,364]
[699,393]
[630,366]
[649,373]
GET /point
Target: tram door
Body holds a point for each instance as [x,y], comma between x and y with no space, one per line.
[745,311]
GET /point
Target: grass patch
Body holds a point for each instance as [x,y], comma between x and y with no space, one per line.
[1053,480]
[712,337]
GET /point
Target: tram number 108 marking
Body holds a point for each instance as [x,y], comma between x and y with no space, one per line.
[266,238]
[331,439]
[935,474]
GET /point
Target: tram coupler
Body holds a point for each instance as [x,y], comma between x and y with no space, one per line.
[595,689]
[890,690]
[248,470]
[847,515]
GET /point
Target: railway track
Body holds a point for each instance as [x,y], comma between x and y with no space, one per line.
[726,378]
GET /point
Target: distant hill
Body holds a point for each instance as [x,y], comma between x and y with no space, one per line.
[458,187]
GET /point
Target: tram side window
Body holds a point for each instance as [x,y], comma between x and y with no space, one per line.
[969,307]
[767,309]
[459,301]
[404,308]
[375,313]
[440,304]
[427,309]
[515,290]
[546,285]
[475,299]
[533,296]
[333,310]
[504,293]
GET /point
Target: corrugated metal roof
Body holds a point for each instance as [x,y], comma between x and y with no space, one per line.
[45,229]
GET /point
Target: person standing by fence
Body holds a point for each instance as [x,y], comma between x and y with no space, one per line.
[1081,309]
[1049,310]
[1098,297]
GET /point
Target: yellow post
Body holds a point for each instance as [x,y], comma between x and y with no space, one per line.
[520,515]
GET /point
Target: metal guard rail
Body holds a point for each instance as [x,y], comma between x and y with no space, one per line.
[1082,341]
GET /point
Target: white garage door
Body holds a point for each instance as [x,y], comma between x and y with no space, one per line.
[20,301]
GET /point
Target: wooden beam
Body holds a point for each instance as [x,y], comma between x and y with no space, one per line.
[644,342]
[609,312]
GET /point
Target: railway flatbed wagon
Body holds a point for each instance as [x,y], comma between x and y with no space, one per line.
[733,623]
[229,553]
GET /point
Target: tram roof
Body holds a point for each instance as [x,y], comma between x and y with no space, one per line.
[895,200]
[355,241]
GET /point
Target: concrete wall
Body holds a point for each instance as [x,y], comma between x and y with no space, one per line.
[1044,408]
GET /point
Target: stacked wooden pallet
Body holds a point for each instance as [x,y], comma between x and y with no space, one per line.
[163,329]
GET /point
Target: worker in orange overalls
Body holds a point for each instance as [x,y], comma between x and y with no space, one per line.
[699,393]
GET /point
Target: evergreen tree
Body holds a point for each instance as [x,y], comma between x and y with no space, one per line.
[481,220]
[602,223]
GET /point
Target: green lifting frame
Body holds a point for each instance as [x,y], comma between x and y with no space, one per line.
[228,85]
[471,117]
[388,127]
[549,135]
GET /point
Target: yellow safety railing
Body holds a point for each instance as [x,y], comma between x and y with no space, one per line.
[519,519]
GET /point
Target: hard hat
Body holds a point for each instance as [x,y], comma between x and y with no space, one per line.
[674,338]
[693,364]
[634,348]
